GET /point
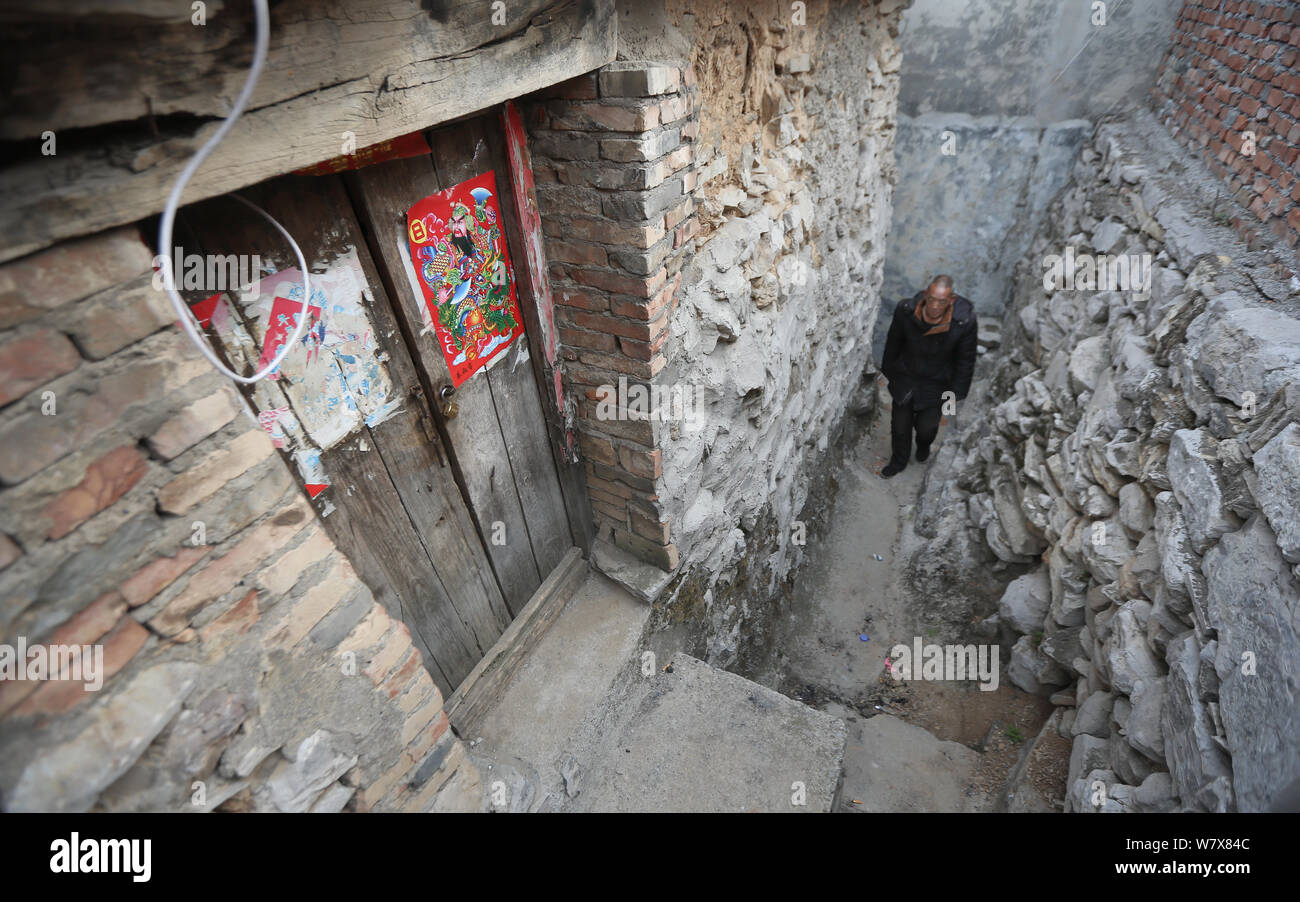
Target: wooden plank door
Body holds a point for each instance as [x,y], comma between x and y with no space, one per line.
[498,437]
[392,505]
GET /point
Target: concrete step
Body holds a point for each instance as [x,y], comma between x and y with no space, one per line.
[562,679]
[580,727]
[897,766]
[695,738]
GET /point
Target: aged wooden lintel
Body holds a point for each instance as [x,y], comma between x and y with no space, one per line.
[91,185]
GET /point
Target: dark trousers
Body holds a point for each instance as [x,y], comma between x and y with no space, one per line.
[906,419]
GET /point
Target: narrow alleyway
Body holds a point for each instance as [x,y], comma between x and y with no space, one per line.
[916,746]
[582,726]
[410,409]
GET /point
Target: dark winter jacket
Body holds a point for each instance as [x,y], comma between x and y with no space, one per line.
[929,365]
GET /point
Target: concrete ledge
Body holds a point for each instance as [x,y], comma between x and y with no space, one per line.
[646,581]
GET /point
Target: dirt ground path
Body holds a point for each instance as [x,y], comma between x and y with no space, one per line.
[915,746]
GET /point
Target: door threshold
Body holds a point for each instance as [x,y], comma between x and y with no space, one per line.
[482,689]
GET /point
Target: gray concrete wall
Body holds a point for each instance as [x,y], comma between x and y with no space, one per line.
[1017,84]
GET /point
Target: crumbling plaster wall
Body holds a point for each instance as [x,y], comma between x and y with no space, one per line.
[776,307]
[987,81]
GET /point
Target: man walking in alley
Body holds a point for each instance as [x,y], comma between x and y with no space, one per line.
[930,350]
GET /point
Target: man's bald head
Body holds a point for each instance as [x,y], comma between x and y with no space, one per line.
[940,287]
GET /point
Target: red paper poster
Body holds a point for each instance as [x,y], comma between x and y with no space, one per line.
[284,320]
[465,274]
[203,309]
[412,145]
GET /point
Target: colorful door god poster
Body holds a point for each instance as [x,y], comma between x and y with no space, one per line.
[460,256]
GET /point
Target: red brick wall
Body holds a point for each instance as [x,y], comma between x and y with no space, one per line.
[1234,67]
[613,156]
[225,648]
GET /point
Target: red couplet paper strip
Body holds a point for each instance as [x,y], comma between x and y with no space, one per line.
[463,264]
[412,145]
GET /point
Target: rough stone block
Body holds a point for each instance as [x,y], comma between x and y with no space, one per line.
[1131,658]
[298,782]
[1247,349]
[1277,466]
[69,776]
[1254,605]
[1194,477]
[1198,766]
[193,423]
[1143,728]
[31,360]
[1024,603]
[69,272]
[638,78]
[214,471]
[1033,671]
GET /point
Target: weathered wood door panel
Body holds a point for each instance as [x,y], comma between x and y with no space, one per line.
[393,505]
[452,520]
[459,153]
[498,436]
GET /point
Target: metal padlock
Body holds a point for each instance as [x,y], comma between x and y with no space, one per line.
[449,407]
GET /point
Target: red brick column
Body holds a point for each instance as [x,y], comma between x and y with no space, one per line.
[613,154]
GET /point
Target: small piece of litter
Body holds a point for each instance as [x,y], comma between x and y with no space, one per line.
[879,558]
[864,637]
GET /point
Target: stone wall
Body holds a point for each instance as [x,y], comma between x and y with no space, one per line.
[777,306]
[715,221]
[1229,88]
[715,218]
[144,510]
[1140,465]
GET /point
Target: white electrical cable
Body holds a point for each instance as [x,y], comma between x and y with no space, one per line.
[173,201]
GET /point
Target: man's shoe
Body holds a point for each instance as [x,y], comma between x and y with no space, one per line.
[922,454]
[892,469]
